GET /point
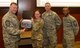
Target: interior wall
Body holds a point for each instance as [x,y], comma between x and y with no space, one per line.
[31,5]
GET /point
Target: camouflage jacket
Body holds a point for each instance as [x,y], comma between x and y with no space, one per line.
[37,29]
[10,25]
[51,20]
[70,25]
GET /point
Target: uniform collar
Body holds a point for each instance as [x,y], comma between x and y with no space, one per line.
[13,15]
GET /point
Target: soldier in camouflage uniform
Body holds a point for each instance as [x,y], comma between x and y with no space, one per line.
[10,25]
[37,33]
[70,28]
[51,23]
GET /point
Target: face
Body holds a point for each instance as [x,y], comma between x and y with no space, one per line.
[65,11]
[37,14]
[47,7]
[13,8]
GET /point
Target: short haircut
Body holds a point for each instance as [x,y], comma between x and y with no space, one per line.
[13,3]
[47,3]
[66,7]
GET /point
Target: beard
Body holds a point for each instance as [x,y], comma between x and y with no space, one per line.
[66,14]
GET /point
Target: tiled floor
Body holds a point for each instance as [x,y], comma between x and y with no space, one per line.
[77,45]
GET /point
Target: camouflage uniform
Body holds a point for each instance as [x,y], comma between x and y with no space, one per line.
[51,23]
[11,30]
[37,33]
[71,28]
